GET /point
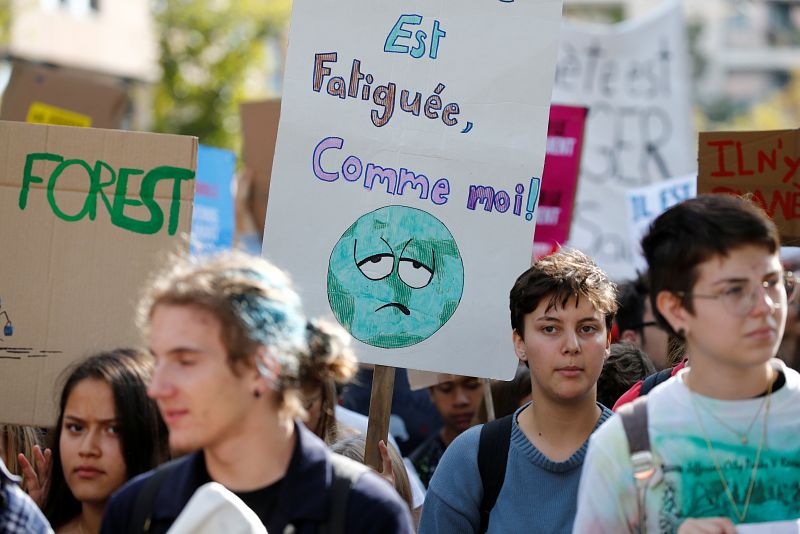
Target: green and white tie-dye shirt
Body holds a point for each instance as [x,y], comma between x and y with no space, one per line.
[687,484]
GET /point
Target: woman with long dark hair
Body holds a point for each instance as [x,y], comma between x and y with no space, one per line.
[107,432]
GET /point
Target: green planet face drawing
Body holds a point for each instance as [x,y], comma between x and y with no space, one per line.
[395,277]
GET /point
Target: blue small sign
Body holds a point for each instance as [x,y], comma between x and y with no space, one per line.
[212,217]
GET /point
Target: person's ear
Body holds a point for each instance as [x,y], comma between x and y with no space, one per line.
[519,346]
[670,306]
[267,370]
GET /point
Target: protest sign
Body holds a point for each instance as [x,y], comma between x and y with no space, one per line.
[85,216]
[423,379]
[50,95]
[634,78]
[212,216]
[644,204]
[407,172]
[765,164]
[561,166]
[259,132]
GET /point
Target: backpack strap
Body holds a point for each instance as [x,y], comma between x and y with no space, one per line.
[346,473]
[655,379]
[634,421]
[144,506]
[495,440]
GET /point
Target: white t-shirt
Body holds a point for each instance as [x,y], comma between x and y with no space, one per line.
[687,483]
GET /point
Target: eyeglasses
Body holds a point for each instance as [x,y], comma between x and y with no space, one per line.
[741,297]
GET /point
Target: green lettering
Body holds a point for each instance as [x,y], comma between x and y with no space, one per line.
[166,172]
[88,205]
[118,217]
[28,177]
[97,187]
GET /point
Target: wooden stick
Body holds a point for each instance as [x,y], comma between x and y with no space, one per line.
[488,402]
[380,408]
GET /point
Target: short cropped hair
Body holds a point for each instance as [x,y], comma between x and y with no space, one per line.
[632,296]
[558,277]
[255,305]
[690,233]
[626,365]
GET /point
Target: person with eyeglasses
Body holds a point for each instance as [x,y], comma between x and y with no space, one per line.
[722,434]
[636,322]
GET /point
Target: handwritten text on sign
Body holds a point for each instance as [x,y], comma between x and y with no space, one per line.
[764,164]
[634,79]
[419,149]
[358,84]
[111,186]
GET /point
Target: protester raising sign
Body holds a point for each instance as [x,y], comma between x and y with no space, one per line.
[764,164]
[634,79]
[561,166]
[407,172]
[85,216]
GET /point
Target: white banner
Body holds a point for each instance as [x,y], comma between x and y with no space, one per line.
[644,204]
[406,174]
[634,78]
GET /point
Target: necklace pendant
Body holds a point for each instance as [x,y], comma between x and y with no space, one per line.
[744,440]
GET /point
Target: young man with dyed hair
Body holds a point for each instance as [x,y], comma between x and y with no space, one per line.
[230,340]
[716,445]
[561,314]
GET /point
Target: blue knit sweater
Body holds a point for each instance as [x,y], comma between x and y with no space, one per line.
[538,495]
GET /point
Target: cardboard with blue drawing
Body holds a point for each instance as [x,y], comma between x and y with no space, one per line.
[407,172]
[86,215]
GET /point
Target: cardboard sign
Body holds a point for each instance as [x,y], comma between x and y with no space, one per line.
[561,167]
[48,95]
[212,217]
[644,204]
[260,131]
[763,164]
[407,172]
[86,216]
[634,78]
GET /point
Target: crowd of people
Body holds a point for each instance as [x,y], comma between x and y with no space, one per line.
[237,414]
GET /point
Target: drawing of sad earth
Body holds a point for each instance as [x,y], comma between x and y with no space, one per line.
[395,277]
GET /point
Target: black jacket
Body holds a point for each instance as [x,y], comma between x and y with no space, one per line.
[372,506]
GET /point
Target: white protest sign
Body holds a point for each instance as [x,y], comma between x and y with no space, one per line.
[406,174]
[634,78]
[643,204]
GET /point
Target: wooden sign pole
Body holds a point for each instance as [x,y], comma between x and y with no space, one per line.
[380,408]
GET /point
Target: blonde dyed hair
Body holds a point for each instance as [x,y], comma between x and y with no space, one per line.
[255,305]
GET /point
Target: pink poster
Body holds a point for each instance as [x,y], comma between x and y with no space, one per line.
[560,180]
